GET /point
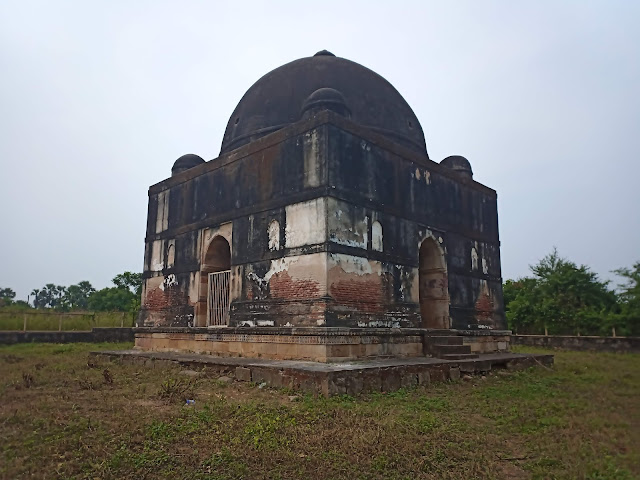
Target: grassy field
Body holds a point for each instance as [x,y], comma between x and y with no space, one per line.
[39,320]
[61,417]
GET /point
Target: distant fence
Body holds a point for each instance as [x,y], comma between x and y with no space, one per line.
[95,335]
[34,320]
[579,342]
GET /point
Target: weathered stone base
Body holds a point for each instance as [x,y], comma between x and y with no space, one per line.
[486,341]
[318,344]
[315,344]
[338,378]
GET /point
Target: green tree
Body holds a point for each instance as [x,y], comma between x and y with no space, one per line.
[132,281]
[35,293]
[76,297]
[49,296]
[6,296]
[562,297]
[627,322]
[112,299]
[124,297]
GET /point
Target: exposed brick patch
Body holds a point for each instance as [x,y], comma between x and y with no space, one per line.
[282,285]
[158,299]
[366,296]
[484,308]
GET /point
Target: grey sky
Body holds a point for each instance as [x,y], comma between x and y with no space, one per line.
[99,98]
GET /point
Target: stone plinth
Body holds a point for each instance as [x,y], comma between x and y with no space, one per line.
[318,344]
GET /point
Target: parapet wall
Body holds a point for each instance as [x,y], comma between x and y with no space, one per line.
[572,342]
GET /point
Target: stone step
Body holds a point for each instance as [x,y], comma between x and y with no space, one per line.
[458,356]
[440,349]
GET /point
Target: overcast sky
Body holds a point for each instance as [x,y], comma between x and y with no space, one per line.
[98,99]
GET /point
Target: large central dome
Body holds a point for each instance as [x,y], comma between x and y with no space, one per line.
[280,97]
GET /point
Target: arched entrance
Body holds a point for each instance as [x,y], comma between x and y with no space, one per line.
[434,286]
[214,283]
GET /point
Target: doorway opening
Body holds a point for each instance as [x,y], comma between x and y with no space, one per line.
[215,274]
[434,286]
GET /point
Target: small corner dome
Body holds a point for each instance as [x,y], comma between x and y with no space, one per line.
[458,164]
[325,99]
[186,162]
[323,81]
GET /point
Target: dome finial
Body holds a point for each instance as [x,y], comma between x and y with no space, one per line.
[326,53]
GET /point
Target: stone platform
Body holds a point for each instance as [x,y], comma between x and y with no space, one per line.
[351,378]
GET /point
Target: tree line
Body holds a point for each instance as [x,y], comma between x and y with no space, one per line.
[123,296]
[561,297]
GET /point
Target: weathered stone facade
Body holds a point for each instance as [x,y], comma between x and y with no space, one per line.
[328,220]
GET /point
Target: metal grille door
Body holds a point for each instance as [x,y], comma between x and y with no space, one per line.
[218,298]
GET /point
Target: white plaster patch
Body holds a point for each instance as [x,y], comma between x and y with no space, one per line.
[304,267]
[170,281]
[485,268]
[162,217]
[380,324]
[265,323]
[305,223]
[345,232]
[474,259]
[418,174]
[357,265]
[427,234]
[157,261]
[427,177]
[171,253]
[193,287]
[274,235]
[348,242]
[480,326]
[235,287]
[311,163]
[376,236]
[224,230]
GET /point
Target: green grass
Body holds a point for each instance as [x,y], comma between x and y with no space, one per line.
[51,321]
[63,418]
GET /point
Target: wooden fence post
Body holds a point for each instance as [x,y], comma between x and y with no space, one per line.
[613,332]
[546,332]
[24,322]
[122,320]
[59,322]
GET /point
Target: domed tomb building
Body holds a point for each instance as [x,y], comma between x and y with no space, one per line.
[323,231]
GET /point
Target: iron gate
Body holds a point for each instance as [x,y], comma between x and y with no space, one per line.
[218,298]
